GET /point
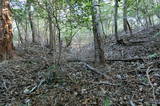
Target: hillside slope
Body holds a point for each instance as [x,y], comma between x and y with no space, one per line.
[34,79]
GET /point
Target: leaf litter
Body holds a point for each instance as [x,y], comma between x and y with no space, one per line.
[34,79]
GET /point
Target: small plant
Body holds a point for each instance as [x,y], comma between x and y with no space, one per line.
[53,67]
[144,80]
[154,55]
[157,34]
[107,102]
[50,75]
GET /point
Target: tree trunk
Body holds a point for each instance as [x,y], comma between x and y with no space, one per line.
[99,53]
[115,20]
[150,21]
[19,32]
[26,30]
[52,32]
[125,15]
[6,33]
[137,14]
[129,27]
[32,25]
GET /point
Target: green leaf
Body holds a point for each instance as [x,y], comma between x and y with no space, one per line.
[153,55]
[107,102]
[53,67]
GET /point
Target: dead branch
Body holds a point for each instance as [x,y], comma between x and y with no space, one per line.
[131,103]
[94,70]
[77,60]
[34,88]
[149,80]
[105,83]
[127,60]
[139,59]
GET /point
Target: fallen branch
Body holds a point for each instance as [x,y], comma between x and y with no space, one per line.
[105,83]
[127,60]
[94,70]
[131,103]
[27,91]
[78,60]
[110,60]
[149,80]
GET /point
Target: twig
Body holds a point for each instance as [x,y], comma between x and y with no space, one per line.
[42,81]
[105,83]
[35,87]
[4,84]
[131,103]
[149,80]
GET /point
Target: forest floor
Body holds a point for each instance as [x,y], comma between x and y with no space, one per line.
[131,76]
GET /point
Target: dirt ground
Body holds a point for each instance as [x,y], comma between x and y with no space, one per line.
[131,78]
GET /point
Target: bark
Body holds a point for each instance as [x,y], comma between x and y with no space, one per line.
[101,21]
[38,28]
[126,25]
[99,53]
[56,18]
[137,14]
[26,30]
[6,33]
[125,15]
[19,32]
[59,40]
[129,27]
[52,32]
[150,21]
[115,20]
[69,39]
[147,24]
[32,25]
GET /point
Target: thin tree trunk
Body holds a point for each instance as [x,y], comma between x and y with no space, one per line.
[150,21]
[26,30]
[56,18]
[152,18]
[19,32]
[115,20]
[38,27]
[99,53]
[32,25]
[125,15]
[52,32]
[101,21]
[129,27]
[137,14]
[147,25]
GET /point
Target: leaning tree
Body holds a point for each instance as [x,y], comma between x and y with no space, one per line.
[6,33]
